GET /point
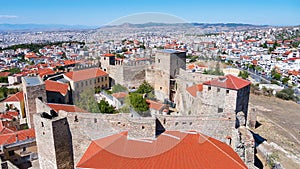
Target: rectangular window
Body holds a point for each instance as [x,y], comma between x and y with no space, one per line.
[11,153]
[218,89]
[220,110]
[158,60]
[209,88]
[227,91]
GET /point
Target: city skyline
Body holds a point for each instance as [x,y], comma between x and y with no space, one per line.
[98,13]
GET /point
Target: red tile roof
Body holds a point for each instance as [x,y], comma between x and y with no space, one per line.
[31,55]
[10,138]
[228,82]
[119,95]
[6,116]
[54,86]
[172,149]
[155,105]
[108,55]
[15,98]
[46,71]
[12,113]
[6,127]
[194,89]
[85,74]
[65,107]
[70,62]
[4,74]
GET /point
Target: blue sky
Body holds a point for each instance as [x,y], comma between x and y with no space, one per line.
[99,12]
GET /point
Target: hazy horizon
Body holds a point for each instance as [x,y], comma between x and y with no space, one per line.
[99,13]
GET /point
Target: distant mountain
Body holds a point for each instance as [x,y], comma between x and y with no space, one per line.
[199,25]
[41,27]
[227,25]
[59,27]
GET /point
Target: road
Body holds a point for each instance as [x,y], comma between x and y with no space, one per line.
[255,76]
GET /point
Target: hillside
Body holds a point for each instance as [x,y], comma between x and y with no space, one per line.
[278,122]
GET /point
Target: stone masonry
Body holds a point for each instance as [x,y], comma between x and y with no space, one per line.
[33,87]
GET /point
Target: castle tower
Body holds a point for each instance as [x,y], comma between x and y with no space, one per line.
[33,87]
[168,63]
[54,141]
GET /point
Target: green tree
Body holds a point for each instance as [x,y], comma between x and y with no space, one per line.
[118,88]
[105,108]
[243,74]
[277,76]
[287,94]
[264,45]
[145,87]
[126,106]
[142,46]
[124,49]
[87,101]
[3,79]
[138,103]
[13,70]
[285,80]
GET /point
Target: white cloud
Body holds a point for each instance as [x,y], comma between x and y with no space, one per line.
[8,16]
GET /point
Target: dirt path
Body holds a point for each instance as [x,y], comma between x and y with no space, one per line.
[279,123]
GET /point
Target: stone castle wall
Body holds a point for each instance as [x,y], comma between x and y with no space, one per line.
[30,94]
[84,127]
[217,127]
[128,75]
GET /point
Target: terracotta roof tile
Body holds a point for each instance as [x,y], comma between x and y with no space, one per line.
[4,74]
[194,89]
[172,149]
[46,71]
[119,95]
[65,107]
[155,105]
[108,55]
[31,55]
[12,137]
[15,98]
[85,74]
[54,86]
[228,82]
[6,116]
[12,113]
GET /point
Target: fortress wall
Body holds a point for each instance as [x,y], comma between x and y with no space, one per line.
[85,127]
[216,127]
[129,76]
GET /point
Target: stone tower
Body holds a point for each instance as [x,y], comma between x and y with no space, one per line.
[33,87]
[168,63]
[54,141]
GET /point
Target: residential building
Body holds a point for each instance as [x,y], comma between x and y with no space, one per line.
[57,92]
[16,102]
[90,78]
